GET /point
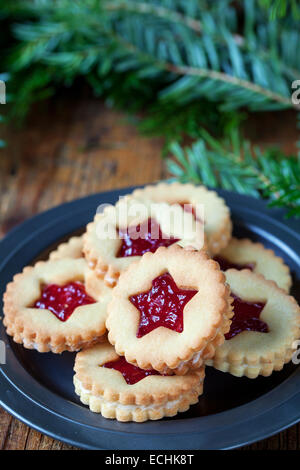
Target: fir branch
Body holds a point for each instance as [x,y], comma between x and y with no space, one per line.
[235,166]
[186,121]
[191,64]
[226,79]
[196,25]
[279,8]
[195,49]
[156,10]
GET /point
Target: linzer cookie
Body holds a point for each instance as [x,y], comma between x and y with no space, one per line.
[245,254]
[73,249]
[123,233]
[217,222]
[109,385]
[264,327]
[48,307]
[169,311]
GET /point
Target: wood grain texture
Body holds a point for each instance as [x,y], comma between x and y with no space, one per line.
[72,147]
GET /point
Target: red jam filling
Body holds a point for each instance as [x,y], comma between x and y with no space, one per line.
[144,237]
[62,300]
[131,373]
[188,207]
[162,305]
[246,317]
[226,264]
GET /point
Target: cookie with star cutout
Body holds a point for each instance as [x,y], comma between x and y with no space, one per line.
[49,307]
[217,221]
[109,385]
[73,249]
[264,328]
[246,254]
[169,311]
[124,232]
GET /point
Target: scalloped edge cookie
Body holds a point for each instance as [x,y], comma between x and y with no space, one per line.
[105,391]
[101,241]
[206,316]
[73,248]
[218,225]
[272,267]
[252,353]
[40,329]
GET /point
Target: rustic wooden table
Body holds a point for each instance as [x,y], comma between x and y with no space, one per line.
[74,147]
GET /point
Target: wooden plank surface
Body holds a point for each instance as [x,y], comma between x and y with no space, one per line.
[74,147]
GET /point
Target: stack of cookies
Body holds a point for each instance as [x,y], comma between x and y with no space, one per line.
[154,291]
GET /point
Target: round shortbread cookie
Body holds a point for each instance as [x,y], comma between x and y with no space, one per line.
[267,347]
[259,259]
[106,391]
[217,222]
[73,248]
[198,310]
[41,329]
[103,239]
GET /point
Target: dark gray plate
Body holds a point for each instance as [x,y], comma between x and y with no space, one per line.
[37,388]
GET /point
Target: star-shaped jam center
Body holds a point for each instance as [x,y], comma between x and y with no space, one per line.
[132,374]
[62,300]
[226,264]
[246,317]
[162,305]
[138,239]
